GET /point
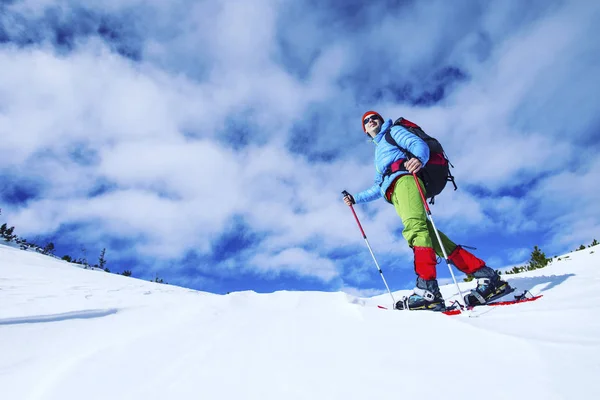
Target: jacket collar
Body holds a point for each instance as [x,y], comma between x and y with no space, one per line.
[384,128]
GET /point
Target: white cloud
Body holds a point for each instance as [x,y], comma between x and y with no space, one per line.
[298,261]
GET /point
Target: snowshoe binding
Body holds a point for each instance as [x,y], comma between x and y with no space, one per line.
[426,296]
[489,288]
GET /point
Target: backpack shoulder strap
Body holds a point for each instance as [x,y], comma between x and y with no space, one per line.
[392,141]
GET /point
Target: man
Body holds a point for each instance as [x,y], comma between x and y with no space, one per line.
[395,182]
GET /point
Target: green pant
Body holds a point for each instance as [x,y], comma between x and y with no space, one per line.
[418,230]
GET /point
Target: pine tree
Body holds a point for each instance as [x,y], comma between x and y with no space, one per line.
[102,260]
[22,243]
[538,259]
[7,233]
[48,249]
[83,260]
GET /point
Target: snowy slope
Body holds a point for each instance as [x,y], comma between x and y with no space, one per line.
[68,333]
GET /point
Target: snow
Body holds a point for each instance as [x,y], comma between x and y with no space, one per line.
[69,333]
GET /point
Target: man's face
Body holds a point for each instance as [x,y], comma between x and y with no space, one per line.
[372,125]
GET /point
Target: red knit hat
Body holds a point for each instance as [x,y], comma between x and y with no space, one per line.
[368,114]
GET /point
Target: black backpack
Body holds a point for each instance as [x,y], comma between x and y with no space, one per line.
[436,172]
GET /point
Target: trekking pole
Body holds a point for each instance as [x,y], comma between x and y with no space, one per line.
[437,234]
[345,193]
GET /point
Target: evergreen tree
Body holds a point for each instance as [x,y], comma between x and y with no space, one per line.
[102,260]
[22,243]
[538,259]
[7,233]
[48,249]
[83,260]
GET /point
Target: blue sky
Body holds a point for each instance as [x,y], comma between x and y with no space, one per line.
[208,142]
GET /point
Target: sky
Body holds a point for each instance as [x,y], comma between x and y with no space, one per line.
[67,333]
[208,142]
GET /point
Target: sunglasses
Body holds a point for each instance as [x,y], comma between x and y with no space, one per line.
[371,118]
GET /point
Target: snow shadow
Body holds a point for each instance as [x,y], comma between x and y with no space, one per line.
[543,283]
[34,319]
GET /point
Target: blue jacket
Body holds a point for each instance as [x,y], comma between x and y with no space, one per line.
[386,154]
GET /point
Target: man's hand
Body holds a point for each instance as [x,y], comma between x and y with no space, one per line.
[413,165]
[348,199]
